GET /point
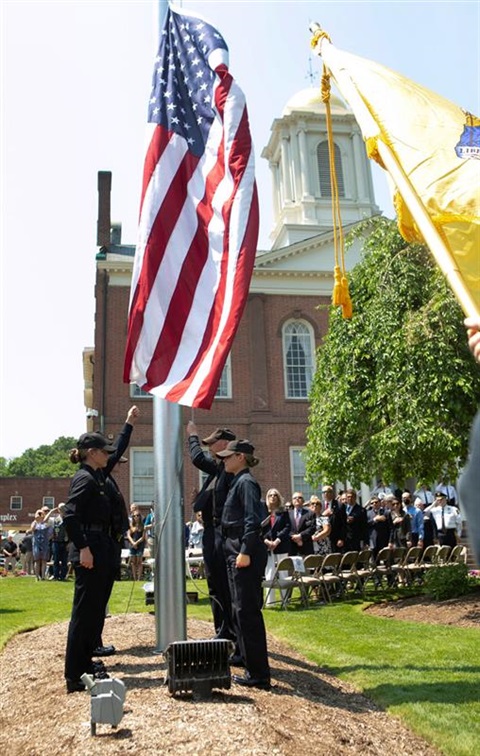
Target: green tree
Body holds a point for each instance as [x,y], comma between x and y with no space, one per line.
[47,461]
[395,388]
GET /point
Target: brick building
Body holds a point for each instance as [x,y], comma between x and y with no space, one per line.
[21,497]
[263,392]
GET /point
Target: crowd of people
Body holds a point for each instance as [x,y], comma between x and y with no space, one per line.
[245,537]
[43,549]
[339,523]
[238,523]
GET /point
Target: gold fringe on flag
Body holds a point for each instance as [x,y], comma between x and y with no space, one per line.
[341,294]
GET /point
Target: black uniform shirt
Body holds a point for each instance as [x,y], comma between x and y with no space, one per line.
[244,510]
[87,505]
[207,464]
[119,523]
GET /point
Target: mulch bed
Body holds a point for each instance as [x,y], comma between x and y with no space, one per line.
[461,612]
[307,709]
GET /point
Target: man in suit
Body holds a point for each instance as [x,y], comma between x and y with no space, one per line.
[302,527]
[356,523]
[328,497]
[379,523]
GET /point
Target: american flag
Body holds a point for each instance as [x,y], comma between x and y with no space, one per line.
[198,225]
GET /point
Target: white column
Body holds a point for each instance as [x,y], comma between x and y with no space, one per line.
[359,163]
[286,183]
[275,189]
[302,147]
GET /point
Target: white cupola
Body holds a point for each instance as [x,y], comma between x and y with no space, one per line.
[297,153]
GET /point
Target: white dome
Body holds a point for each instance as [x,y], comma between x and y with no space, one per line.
[310,100]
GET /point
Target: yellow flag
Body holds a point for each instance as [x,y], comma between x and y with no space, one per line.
[435,143]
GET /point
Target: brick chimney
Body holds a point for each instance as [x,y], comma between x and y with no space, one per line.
[103,221]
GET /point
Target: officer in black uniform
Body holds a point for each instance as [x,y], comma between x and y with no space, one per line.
[209,502]
[246,557]
[88,524]
[119,523]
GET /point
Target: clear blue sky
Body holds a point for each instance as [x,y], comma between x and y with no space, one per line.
[75,82]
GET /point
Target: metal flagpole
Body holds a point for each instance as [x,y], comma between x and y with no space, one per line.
[169,575]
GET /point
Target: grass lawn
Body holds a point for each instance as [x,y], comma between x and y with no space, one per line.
[427,675]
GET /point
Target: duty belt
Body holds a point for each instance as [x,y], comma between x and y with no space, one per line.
[232,531]
[95,528]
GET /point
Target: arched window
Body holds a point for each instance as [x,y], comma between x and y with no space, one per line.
[298,358]
[323,162]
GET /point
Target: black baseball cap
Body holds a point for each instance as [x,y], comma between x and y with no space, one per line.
[95,441]
[237,447]
[220,434]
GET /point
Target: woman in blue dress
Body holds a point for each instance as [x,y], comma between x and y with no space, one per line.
[41,544]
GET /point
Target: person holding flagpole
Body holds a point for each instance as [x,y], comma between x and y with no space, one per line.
[210,502]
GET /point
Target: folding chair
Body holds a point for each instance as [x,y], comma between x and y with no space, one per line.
[429,558]
[328,574]
[347,571]
[458,555]
[397,568]
[364,567]
[285,583]
[125,567]
[443,554]
[383,567]
[311,580]
[427,561]
[411,561]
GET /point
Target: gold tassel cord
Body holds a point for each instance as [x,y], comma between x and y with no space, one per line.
[341,294]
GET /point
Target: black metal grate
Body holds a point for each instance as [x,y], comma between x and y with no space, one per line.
[198,666]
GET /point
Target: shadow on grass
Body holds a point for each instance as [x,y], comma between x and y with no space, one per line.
[338,671]
[437,692]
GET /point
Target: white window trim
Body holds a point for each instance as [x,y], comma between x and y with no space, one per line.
[137,393]
[133,450]
[284,352]
[19,501]
[227,376]
[305,488]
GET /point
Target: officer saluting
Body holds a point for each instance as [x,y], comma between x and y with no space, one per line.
[246,557]
[210,503]
[87,522]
